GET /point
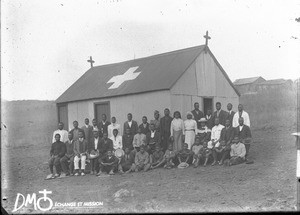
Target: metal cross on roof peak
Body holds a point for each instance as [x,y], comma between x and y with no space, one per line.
[206,38]
[91,61]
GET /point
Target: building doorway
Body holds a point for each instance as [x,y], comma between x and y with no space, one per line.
[62,110]
[207,104]
[101,108]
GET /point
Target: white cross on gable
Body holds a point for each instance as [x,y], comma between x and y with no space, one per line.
[120,79]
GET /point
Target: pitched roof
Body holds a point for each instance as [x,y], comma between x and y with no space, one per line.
[274,82]
[157,72]
[242,81]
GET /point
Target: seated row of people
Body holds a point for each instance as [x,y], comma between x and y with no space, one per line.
[70,158]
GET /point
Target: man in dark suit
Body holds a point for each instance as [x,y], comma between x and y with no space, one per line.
[131,124]
[75,131]
[103,125]
[144,126]
[244,133]
[88,130]
[93,151]
[153,139]
[230,113]
[165,132]
[209,119]
[221,114]
[198,114]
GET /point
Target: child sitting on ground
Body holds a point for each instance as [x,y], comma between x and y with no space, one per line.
[205,152]
[108,163]
[196,151]
[169,157]
[184,156]
[218,152]
[157,157]
[126,161]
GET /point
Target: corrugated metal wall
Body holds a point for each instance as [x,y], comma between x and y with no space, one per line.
[139,105]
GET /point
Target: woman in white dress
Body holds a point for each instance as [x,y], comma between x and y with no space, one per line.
[177,129]
[190,129]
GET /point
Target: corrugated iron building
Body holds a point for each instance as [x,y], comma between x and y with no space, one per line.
[174,80]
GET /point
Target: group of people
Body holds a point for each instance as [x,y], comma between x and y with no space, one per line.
[221,137]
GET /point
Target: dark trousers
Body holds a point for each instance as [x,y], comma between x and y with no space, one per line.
[224,154]
[247,146]
[107,169]
[236,160]
[94,164]
[165,142]
[67,164]
[55,161]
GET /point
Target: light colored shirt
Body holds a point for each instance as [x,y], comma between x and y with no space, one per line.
[204,129]
[110,129]
[235,120]
[117,142]
[129,123]
[141,158]
[63,135]
[139,139]
[96,142]
[216,132]
[238,150]
[177,125]
[241,127]
[190,124]
[196,149]
[152,134]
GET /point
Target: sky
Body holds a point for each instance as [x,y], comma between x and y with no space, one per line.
[45,44]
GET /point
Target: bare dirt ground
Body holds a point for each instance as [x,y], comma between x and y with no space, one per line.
[267,185]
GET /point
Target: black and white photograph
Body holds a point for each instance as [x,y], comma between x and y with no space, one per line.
[150,106]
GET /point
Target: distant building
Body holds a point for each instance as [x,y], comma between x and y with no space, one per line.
[274,84]
[172,80]
[247,85]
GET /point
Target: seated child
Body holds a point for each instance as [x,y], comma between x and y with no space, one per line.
[141,161]
[184,156]
[196,151]
[169,157]
[237,152]
[80,151]
[108,163]
[126,161]
[205,152]
[157,157]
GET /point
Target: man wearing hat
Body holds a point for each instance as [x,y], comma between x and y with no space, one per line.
[198,114]
[203,131]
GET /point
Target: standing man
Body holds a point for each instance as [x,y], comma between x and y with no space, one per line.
[244,133]
[221,114]
[131,124]
[112,126]
[103,126]
[88,130]
[156,121]
[198,114]
[95,124]
[230,112]
[165,131]
[75,131]
[239,114]
[209,119]
[63,133]
[145,125]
